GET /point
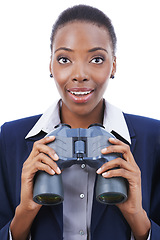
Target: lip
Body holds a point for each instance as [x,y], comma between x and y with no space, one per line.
[80,95]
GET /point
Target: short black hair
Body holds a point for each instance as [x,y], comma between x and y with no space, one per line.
[85,13]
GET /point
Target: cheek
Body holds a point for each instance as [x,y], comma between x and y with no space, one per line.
[102,72]
[102,77]
[57,74]
[60,77]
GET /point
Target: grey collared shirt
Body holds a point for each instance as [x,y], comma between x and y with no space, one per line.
[78,182]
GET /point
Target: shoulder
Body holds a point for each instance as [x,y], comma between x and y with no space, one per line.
[20,126]
[142,125]
[138,120]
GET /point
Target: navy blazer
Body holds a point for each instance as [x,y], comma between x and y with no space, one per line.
[107,222]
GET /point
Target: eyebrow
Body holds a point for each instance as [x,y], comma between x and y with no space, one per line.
[63,48]
[90,50]
[97,48]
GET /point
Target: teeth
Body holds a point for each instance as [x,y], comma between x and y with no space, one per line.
[81,93]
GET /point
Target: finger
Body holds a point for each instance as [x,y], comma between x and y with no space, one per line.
[30,168]
[48,151]
[40,146]
[40,166]
[116,145]
[116,163]
[133,178]
[46,140]
[43,141]
[114,173]
[119,147]
[45,160]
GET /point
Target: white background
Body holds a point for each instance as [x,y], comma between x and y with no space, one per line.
[25,27]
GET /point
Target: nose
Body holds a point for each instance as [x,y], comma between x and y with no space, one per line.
[79,73]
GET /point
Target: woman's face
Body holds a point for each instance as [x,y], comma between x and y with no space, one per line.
[81,64]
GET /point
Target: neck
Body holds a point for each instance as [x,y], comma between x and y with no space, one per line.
[82,120]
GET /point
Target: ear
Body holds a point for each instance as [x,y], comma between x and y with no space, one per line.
[50,68]
[114,67]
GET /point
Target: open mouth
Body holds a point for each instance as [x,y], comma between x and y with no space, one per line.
[80,95]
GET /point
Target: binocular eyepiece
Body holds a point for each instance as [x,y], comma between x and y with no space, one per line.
[77,146]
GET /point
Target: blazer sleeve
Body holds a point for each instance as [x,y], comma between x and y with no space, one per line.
[145,136]
[6,208]
[155,194]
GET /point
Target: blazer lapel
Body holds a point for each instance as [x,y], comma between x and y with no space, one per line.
[57,211]
[131,132]
[30,141]
[97,211]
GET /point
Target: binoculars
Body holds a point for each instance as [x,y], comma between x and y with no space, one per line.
[77,146]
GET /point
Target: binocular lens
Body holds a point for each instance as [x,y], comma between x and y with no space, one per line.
[111,190]
[111,198]
[48,199]
[48,190]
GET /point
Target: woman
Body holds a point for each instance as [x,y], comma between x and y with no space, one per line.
[83,45]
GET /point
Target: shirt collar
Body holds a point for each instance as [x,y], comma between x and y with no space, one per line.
[47,121]
[113,120]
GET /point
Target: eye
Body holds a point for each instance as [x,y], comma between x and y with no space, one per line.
[97,60]
[63,60]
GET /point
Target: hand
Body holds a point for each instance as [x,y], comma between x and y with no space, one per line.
[132,209]
[127,168]
[41,158]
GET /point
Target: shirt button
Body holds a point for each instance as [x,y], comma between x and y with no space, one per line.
[81,232]
[81,195]
[83,166]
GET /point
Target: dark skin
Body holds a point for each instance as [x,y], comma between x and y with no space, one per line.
[82,63]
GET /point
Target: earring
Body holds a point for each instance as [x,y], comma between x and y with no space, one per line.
[112,76]
[51,76]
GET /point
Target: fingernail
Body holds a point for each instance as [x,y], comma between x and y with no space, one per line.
[58,170]
[105,174]
[104,150]
[99,170]
[112,139]
[52,171]
[56,157]
[51,137]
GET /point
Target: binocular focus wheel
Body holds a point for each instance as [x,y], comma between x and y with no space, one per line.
[96,125]
[63,125]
